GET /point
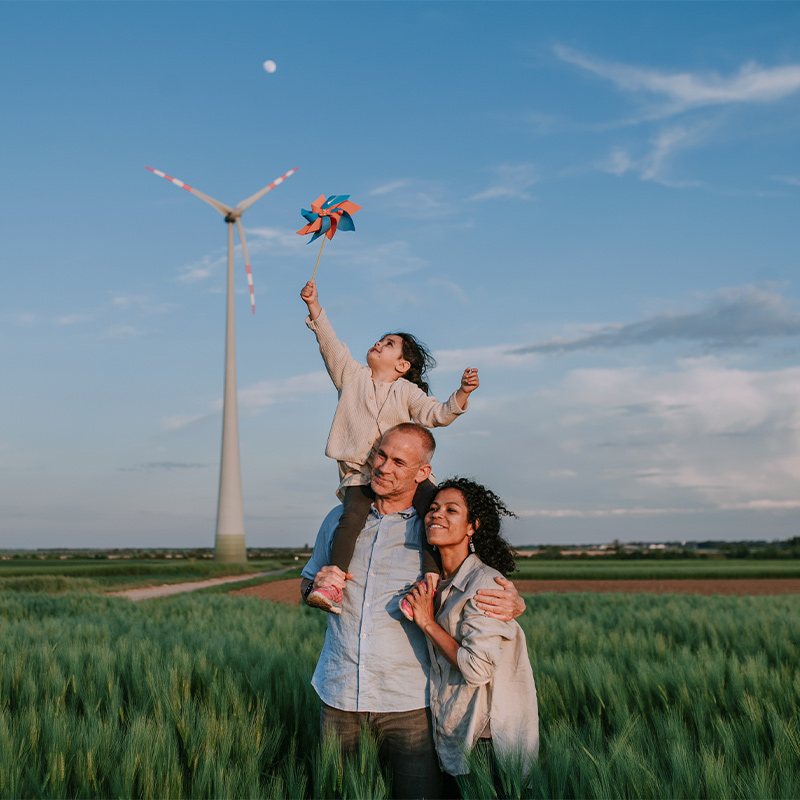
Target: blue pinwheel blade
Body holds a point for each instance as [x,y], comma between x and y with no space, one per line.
[325,226]
[346,222]
[335,199]
[309,215]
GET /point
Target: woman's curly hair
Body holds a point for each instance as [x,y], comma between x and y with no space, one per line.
[484,510]
[418,355]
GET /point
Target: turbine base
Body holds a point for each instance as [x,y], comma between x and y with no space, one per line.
[230,549]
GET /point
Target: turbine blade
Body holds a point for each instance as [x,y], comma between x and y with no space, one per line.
[245,204]
[221,207]
[247,264]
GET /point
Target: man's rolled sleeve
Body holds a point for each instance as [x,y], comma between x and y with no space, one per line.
[481,646]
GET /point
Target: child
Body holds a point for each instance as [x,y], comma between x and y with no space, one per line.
[391,389]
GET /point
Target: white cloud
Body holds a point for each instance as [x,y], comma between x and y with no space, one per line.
[511,180]
[388,188]
[180,421]
[73,319]
[266,393]
[790,179]
[738,316]
[495,355]
[728,436]
[123,332]
[684,90]
[203,269]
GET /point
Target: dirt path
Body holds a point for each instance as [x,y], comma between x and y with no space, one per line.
[288,591]
[168,589]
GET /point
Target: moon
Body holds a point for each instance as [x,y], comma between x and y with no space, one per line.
[270,66]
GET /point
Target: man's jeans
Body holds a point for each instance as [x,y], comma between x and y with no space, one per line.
[405,739]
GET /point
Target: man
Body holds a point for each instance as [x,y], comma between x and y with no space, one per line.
[374,665]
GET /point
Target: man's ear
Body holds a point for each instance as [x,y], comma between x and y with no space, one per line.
[423,473]
[402,367]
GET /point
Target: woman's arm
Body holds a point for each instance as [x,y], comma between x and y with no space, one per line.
[480,650]
[421,601]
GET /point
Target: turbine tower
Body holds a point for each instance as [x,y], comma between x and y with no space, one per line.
[229,545]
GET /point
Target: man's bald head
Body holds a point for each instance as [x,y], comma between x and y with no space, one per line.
[402,462]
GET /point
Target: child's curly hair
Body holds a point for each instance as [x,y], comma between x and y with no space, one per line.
[418,355]
[484,510]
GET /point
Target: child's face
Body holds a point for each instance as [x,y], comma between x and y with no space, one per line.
[385,354]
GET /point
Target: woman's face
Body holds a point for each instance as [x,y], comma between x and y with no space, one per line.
[446,522]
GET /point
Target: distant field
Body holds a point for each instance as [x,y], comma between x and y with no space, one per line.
[101,575]
[573,569]
[209,696]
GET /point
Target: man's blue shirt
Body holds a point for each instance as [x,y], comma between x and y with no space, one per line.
[373,658]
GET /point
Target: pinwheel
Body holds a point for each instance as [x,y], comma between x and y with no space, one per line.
[328,216]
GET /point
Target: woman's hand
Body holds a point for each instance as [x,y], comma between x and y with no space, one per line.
[421,602]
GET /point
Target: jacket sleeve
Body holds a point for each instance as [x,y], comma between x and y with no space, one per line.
[428,411]
[481,644]
[336,355]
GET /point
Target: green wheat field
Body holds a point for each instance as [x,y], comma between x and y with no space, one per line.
[640,696]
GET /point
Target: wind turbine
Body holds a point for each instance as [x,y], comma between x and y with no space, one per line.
[229,545]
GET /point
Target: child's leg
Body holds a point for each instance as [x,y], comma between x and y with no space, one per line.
[357,501]
[423,498]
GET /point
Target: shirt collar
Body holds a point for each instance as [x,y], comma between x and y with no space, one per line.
[406,513]
[459,580]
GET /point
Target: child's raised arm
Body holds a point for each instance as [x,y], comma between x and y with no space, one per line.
[469,383]
[309,295]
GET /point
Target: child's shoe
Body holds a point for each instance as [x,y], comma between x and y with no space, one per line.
[406,610]
[328,598]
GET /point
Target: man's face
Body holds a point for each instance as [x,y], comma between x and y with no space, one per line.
[400,465]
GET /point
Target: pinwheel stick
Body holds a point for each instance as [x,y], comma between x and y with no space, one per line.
[318,258]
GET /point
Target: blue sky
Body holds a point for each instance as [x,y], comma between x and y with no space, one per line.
[595,204]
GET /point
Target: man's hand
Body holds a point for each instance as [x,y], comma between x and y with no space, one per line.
[309,296]
[504,603]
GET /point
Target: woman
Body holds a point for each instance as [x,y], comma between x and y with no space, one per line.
[481,683]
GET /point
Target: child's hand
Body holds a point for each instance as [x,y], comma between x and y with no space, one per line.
[309,296]
[469,380]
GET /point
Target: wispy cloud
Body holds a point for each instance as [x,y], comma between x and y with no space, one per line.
[168,466]
[266,393]
[681,91]
[511,180]
[495,355]
[414,199]
[180,421]
[611,513]
[385,260]
[254,399]
[790,179]
[142,303]
[388,188]
[123,332]
[73,319]
[654,165]
[736,317]
[201,270]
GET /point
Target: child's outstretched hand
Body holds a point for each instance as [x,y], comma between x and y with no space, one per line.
[309,296]
[469,380]
[469,383]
